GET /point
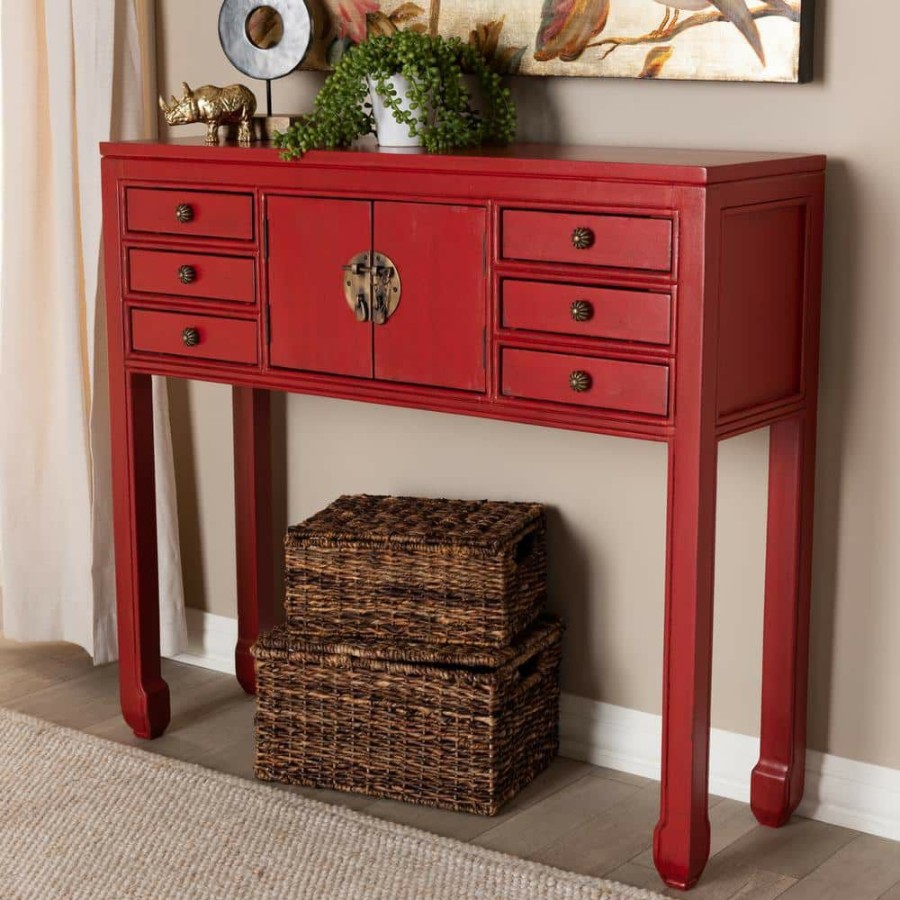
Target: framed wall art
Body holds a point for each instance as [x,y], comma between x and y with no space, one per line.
[703,40]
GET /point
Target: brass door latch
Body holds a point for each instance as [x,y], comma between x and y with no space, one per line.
[372,287]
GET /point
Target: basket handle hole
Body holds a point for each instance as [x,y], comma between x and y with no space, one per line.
[525,547]
[528,668]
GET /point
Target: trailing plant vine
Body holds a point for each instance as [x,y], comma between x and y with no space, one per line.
[441,113]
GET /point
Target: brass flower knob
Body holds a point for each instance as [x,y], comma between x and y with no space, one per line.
[580,381]
[581,311]
[190,337]
[582,238]
[187,274]
[184,213]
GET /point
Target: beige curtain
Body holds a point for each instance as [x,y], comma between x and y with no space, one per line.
[75,72]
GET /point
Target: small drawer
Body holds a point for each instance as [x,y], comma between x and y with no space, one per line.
[617,315]
[622,242]
[189,213]
[185,334]
[199,276]
[586,381]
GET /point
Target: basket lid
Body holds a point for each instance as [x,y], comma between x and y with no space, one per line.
[485,526]
[287,643]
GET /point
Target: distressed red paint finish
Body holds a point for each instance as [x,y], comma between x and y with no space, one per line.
[720,252]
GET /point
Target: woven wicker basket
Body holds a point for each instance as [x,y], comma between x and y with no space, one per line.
[471,573]
[459,730]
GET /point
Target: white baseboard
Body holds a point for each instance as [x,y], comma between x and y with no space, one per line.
[838,791]
[211,641]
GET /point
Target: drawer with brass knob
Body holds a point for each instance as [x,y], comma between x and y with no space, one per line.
[189,213]
[202,276]
[190,335]
[583,311]
[613,241]
[614,384]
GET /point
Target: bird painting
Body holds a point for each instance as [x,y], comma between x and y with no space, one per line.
[736,11]
[698,40]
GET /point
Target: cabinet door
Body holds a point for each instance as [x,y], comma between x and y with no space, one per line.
[436,336]
[312,327]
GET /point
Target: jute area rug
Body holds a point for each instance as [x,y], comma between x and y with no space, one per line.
[81,817]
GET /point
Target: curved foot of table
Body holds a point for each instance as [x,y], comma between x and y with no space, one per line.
[774,794]
[147,709]
[680,856]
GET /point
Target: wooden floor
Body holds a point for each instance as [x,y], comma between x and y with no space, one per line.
[575,816]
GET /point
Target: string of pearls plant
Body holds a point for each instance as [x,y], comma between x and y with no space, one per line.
[434,68]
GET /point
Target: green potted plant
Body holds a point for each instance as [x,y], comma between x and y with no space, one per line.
[415,82]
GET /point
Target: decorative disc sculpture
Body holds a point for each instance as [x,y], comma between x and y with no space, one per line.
[267,39]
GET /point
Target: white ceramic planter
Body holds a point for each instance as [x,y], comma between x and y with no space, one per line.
[390,132]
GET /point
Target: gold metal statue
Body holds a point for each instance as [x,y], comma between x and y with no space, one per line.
[232,105]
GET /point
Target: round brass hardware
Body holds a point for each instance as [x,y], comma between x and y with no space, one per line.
[582,238]
[187,274]
[190,337]
[581,311]
[372,287]
[184,213]
[580,381]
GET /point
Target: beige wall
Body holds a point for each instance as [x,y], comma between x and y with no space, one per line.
[608,494]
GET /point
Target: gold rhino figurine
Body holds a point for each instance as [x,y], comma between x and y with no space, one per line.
[232,105]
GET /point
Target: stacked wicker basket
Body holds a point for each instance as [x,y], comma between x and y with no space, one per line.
[416,662]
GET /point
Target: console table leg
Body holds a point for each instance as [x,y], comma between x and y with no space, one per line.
[681,838]
[777,781]
[144,693]
[253,525]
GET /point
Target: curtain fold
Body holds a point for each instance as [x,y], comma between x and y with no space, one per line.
[75,72]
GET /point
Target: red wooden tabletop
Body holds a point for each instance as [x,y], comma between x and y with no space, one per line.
[549,160]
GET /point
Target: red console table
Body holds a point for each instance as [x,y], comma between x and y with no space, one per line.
[665,295]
